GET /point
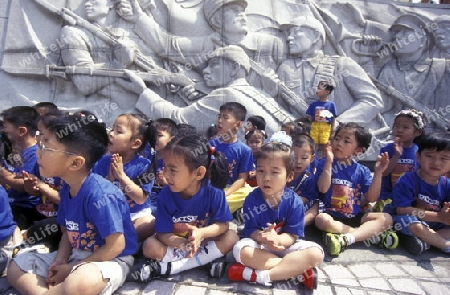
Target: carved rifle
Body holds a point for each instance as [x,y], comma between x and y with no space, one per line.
[73,19]
[432,115]
[295,101]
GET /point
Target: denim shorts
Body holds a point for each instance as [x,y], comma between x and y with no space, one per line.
[402,223]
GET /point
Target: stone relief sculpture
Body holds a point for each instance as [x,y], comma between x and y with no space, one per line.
[170,45]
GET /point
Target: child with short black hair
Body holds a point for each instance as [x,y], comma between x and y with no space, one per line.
[272,249]
[239,155]
[422,198]
[20,127]
[346,186]
[253,123]
[192,222]
[408,128]
[304,182]
[132,173]
[255,140]
[293,128]
[45,107]
[322,114]
[95,252]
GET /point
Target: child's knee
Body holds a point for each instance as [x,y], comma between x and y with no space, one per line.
[416,228]
[322,220]
[227,241]
[151,247]
[240,245]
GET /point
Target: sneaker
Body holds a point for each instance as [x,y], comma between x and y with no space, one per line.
[379,205]
[335,243]
[389,239]
[236,272]
[414,245]
[309,278]
[144,271]
[217,269]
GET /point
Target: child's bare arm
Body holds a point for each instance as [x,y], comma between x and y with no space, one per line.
[11,179]
[324,181]
[50,193]
[398,146]
[443,216]
[240,182]
[375,188]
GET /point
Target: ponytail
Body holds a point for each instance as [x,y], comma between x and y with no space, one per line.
[217,168]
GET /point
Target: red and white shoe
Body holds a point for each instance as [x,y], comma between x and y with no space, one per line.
[238,272]
[309,278]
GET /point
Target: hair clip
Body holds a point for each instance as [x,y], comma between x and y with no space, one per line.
[417,116]
[281,137]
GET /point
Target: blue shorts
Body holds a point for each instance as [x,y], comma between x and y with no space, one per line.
[402,223]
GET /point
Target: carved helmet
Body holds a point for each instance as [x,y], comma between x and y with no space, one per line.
[234,53]
[212,6]
[307,22]
[412,22]
[442,19]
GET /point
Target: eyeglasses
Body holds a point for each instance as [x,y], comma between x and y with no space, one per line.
[42,147]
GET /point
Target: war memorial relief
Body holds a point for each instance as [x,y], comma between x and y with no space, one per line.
[160,58]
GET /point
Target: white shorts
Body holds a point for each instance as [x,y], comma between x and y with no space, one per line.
[115,270]
[143,213]
[298,245]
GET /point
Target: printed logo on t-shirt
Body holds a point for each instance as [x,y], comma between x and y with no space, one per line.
[318,116]
[181,224]
[427,203]
[344,197]
[401,167]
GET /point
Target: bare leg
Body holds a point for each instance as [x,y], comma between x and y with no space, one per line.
[144,227]
[430,236]
[25,283]
[153,248]
[326,222]
[311,213]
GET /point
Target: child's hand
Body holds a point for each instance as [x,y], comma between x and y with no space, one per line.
[30,184]
[195,239]
[329,156]
[270,238]
[398,146]
[444,213]
[116,167]
[382,163]
[160,179]
[57,273]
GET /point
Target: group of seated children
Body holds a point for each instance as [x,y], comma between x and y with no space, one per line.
[105,200]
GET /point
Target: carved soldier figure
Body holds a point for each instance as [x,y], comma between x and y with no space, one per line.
[442,37]
[226,72]
[356,97]
[411,72]
[228,20]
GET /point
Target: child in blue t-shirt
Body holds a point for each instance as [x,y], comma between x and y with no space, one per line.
[20,128]
[274,225]
[132,173]
[255,140]
[408,127]
[322,114]
[192,221]
[239,155]
[422,198]
[98,237]
[9,233]
[304,183]
[346,186]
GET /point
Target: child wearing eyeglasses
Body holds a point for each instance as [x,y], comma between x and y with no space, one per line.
[322,114]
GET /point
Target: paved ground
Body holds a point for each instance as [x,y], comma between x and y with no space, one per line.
[358,270]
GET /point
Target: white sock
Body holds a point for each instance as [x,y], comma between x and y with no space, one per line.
[262,276]
[205,254]
[350,238]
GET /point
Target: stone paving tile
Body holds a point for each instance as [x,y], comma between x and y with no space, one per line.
[390,269]
[248,288]
[158,287]
[284,292]
[337,272]
[130,289]
[406,285]
[436,288]
[362,271]
[323,290]
[375,283]
[345,282]
[183,290]
[421,270]
[377,293]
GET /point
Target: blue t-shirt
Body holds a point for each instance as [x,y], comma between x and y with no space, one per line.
[206,207]
[7,224]
[29,164]
[406,163]
[348,186]
[288,216]
[97,211]
[316,107]
[305,186]
[138,167]
[239,157]
[412,191]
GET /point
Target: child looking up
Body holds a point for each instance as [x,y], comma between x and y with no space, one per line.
[132,173]
[422,198]
[408,128]
[239,155]
[98,237]
[272,248]
[192,221]
[347,185]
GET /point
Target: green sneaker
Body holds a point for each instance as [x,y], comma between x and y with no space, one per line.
[335,243]
[379,205]
[389,239]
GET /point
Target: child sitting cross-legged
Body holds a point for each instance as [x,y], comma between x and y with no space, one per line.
[347,185]
[272,248]
[422,198]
